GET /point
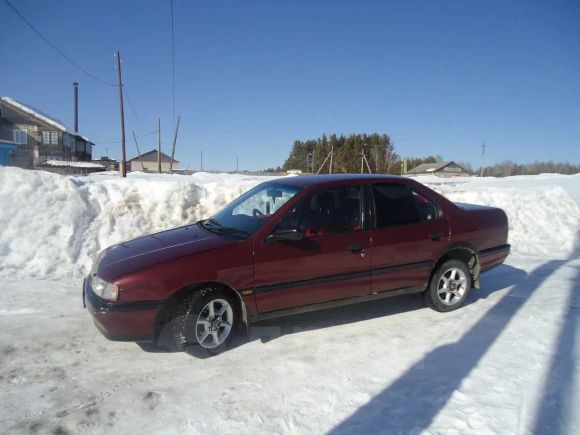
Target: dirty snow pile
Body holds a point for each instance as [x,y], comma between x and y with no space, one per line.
[52,226]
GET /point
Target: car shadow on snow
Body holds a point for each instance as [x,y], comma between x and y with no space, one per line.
[499,278]
[411,402]
[555,413]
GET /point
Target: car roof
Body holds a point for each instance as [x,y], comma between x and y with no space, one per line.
[319,180]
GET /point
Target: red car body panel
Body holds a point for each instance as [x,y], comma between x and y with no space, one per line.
[277,276]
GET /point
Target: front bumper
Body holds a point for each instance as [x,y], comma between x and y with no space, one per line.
[133,321]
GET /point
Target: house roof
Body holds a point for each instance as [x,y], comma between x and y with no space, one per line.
[63,163]
[427,168]
[151,156]
[41,116]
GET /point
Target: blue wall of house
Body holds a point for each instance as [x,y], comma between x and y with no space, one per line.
[5,151]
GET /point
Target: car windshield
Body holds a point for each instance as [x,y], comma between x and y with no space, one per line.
[246,214]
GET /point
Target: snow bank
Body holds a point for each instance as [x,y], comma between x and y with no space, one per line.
[52,226]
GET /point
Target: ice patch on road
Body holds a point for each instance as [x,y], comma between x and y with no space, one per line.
[53,226]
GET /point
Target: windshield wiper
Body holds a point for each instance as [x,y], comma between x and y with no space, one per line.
[218,227]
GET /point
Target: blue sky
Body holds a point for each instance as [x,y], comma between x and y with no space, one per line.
[440,77]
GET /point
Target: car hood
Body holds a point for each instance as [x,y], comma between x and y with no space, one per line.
[135,254]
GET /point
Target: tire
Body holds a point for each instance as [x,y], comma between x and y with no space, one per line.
[206,322]
[449,286]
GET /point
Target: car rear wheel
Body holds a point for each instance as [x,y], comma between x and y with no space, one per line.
[205,322]
[449,286]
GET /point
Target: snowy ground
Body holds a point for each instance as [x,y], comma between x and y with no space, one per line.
[505,363]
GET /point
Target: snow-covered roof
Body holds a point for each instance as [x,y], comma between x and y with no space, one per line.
[73,164]
[42,116]
[428,168]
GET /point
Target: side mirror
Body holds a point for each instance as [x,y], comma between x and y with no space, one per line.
[291,234]
[428,212]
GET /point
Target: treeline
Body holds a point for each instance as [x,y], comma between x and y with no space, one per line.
[379,151]
[309,155]
[508,168]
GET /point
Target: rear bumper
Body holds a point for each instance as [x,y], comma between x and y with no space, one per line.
[490,258]
[133,321]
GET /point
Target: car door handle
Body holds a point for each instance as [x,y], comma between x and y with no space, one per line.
[356,247]
[436,235]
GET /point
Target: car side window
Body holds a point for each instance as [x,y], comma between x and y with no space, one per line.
[427,209]
[333,211]
[394,205]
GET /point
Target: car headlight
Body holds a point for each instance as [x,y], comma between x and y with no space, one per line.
[103,289]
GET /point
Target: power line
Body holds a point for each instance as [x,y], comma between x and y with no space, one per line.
[112,142]
[55,48]
[172,65]
[133,107]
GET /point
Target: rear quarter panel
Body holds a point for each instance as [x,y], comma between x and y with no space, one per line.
[483,228]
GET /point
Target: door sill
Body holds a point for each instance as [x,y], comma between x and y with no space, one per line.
[333,304]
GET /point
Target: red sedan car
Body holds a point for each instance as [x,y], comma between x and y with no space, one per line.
[292,245]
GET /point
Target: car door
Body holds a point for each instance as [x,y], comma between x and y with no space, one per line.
[409,234]
[330,262]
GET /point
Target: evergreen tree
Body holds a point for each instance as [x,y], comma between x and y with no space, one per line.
[378,150]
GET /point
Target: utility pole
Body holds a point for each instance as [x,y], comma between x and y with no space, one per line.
[482,159]
[237,164]
[174,141]
[307,161]
[364,161]
[76,106]
[123,155]
[159,145]
[138,152]
[323,163]
[331,159]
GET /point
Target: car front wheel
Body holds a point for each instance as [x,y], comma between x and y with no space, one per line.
[205,322]
[449,286]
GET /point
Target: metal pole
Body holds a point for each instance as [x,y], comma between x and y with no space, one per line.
[174,141]
[201,161]
[123,155]
[237,164]
[159,145]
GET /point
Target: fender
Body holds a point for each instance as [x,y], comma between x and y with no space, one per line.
[474,267]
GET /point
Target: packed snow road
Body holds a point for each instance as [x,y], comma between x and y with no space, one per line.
[505,363]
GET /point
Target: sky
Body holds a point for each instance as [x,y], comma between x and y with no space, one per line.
[440,77]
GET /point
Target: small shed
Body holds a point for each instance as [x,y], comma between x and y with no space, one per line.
[6,148]
[440,169]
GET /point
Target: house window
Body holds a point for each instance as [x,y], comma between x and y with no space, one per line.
[54,137]
[46,137]
[20,136]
